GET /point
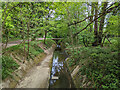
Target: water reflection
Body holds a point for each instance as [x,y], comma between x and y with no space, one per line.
[58,69]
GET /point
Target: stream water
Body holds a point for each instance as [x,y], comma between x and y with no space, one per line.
[60,71]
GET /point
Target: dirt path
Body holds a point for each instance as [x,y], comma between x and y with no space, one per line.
[38,77]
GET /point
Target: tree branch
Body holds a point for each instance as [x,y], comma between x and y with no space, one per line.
[76,22]
[108,11]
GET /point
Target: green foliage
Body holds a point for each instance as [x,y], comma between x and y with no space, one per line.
[8,66]
[115,44]
[49,43]
[71,62]
[34,48]
[31,20]
[38,49]
[32,51]
[113,26]
[13,48]
[100,63]
[86,37]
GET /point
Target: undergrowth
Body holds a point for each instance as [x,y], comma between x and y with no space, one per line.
[49,42]
[8,66]
[100,65]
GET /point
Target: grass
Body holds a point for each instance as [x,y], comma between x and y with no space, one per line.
[9,65]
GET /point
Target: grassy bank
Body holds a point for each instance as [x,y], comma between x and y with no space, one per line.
[100,66]
[15,56]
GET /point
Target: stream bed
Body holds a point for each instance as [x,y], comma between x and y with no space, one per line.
[60,77]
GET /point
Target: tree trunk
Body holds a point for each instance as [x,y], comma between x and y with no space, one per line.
[45,36]
[24,44]
[6,40]
[95,43]
[109,40]
[91,18]
[103,41]
[102,22]
[28,37]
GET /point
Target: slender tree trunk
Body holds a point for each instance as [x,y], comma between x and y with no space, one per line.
[91,18]
[103,41]
[24,50]
[28,37]
[76,39]
[109,40]
[6,40]
[45,36]
[102,22]
[96,21]
[96,26]
[24,44]
[23,37]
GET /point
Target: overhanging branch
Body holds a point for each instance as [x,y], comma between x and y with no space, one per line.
[76,22]
[108,11]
